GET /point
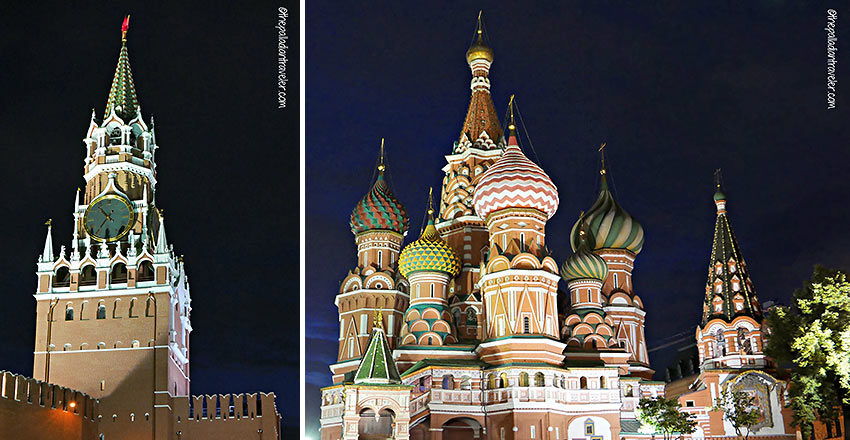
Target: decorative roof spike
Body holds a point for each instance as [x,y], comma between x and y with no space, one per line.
[47,253]
[381,166]
[377,365]
[719,197]
[122,94]
[161,242]
[512,124]
[603,171]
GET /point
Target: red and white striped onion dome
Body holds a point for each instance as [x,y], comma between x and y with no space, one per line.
[514,181]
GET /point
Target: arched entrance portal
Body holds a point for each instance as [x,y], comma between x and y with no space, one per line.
[462,428]
[376,426]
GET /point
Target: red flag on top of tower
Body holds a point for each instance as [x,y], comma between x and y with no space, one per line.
[124,27]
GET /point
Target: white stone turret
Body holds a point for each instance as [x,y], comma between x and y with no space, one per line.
[47,253]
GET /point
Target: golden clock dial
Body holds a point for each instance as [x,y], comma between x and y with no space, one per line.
[108,218]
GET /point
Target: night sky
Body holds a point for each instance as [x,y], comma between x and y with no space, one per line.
[227,169]
[675,91]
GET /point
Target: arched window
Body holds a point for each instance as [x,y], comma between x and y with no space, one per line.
[118,274]
[503,378]
[69,312]
[602,382]
[432,291]
[62,277]
[135,343]
[744,340]
[629,391]
[465,383]
[448,382]
[523,379]
[539,380]
[526,327]
[471,318]
[101,311]
[583,383]
[491,382]
[149,306]
[88,276]
[132,308]
[719,343]
[145,272]
[115,310]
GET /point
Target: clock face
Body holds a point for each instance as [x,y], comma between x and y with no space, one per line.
[108,218]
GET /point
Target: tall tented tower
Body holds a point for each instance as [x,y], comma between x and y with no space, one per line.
[379,223]
[112,315]
[113,311]
[617,237]
[519,280]
[729,335]
[480,144]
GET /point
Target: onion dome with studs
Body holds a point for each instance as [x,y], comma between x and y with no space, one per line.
[584,264]
[514,181]
[379,209]
[610,225]
[429,253]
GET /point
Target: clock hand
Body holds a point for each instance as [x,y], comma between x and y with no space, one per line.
[101,223]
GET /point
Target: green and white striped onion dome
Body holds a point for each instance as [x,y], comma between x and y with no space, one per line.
[610,225]
[584,264]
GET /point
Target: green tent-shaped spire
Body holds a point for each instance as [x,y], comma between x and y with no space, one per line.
[729,293]
[377,366]
[122,94]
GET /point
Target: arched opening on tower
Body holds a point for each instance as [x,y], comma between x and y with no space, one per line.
[145,272]
[88,276]
[376,426]
[62,277]
[118,274]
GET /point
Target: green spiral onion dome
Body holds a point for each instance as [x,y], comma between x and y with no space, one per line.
[429,253]
[379,209]
[610,225]
[584,264]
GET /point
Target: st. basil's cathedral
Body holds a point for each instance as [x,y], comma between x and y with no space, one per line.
[464,333]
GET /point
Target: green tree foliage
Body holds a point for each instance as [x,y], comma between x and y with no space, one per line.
[814,334]
[663,415]
[739,409]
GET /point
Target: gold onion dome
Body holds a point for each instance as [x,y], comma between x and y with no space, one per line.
[479,49]
[610,225]
[379,209]
[429,253]
[584,264]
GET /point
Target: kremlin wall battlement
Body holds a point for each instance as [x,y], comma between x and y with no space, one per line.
[30,408]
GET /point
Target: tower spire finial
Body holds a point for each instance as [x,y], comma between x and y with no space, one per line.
[603,171]
[430,203]
[719,197]
[124,27]
[512,124]
[381,166]
[379,320]
[479,31]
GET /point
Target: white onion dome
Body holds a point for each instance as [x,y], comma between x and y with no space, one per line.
[514,181]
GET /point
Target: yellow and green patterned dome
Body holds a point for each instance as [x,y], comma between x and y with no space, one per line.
[429,253]
[584,264]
